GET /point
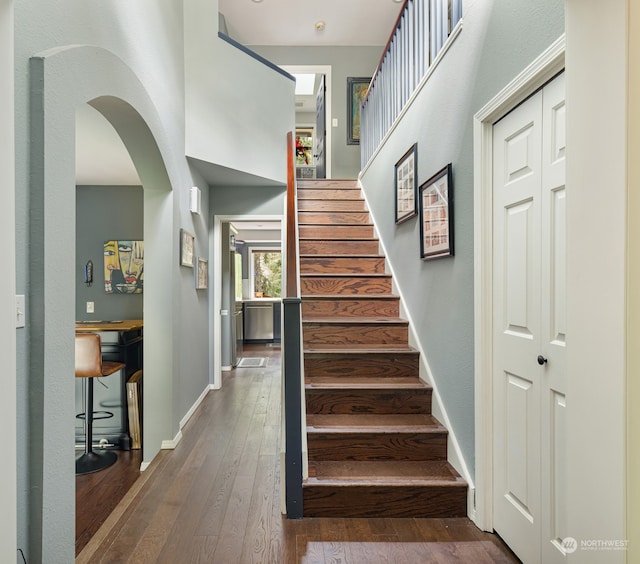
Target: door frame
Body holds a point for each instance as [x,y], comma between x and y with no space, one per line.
[532,78]
[326,70]
[215,259]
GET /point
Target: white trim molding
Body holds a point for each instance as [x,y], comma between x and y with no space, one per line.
[215,259]
[170,444]
[539,72]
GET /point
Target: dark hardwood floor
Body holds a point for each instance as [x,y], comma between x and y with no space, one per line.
[216,499]
[99,493]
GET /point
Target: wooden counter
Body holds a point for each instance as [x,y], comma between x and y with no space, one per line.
[121,341]
[96,326]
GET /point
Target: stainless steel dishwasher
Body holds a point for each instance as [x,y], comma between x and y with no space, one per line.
[258,321]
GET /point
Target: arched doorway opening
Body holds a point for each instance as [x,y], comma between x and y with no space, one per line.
[62,81]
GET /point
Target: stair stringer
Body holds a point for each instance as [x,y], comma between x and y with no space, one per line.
[454,452]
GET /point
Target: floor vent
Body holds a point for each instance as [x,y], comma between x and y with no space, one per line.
[252,362]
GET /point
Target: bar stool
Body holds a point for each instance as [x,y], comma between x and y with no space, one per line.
[89,365]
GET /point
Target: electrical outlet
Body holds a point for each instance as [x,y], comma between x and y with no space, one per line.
[90,307]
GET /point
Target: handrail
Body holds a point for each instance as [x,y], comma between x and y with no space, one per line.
[386,48]
[255,55]
[418,36]
[292,362]
[292,227]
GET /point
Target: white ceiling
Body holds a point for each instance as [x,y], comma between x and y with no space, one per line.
[292,22]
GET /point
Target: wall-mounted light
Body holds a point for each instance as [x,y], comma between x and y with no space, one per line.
[194,200]
[320,25]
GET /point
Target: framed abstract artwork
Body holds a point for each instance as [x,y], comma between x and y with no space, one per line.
[123,266]
[436,215]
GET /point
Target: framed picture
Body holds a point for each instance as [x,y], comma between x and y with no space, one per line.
[187,241]
[123,267]
[356,89]
[436,215]
[407,185]
[202,275]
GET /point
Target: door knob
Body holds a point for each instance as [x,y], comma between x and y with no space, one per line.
[541,360]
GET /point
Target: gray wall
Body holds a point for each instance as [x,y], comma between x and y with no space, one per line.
[247,200]
[344,62]
[221,82]
[128,63]
[104,213]
[498,40]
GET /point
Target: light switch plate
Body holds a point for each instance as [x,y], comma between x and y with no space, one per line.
[334,122]
[90,307]
[21,312]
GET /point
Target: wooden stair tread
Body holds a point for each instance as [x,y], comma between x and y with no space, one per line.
[338,209]
[365,383]
[355,320]
[325,256]
[350,297]
[376,423]
[359,349]
[324,183]
[345,275]
[314,224]
[336,239]
[391,473]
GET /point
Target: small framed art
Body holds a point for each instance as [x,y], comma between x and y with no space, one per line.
[187,241]
[202,275]
[356,90]
[436,215]
[407,185]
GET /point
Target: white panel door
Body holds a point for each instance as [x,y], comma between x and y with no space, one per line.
[529,322]
[553,322]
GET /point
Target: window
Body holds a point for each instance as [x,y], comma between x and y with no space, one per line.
[266,272]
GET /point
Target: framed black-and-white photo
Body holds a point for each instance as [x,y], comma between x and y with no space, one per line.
[436,215]
[407,185]
[187,242]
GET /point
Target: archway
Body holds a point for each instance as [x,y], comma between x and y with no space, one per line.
[62,80]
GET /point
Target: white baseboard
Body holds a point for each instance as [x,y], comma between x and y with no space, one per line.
[173,443]
[226,368]
[195,405]
[144,466]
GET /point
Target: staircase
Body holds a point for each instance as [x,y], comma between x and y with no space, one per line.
[374,448]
